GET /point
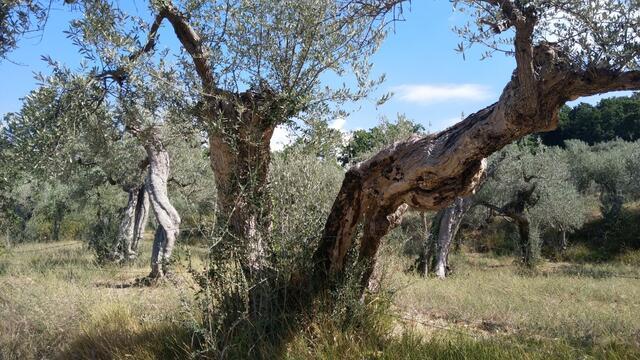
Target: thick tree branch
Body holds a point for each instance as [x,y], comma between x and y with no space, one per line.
[598,81]
[192,43]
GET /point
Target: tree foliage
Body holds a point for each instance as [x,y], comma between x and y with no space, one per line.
[535,183]
[19,17]
[611,167]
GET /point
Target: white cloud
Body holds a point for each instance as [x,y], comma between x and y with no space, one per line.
[338,123]
[281,138]
[433,93]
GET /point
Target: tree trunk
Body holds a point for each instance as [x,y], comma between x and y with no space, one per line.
[141,218]
[428,248]
[122,246]
[380,222]
[449,226]
[524,232]
[166,215]
[57,224]
[240,158]
[428,173]
[133,221]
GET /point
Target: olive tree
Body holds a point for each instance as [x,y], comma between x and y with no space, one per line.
[17,18]
[563,50]
[611,167]
[59,131]
[73,121]
[249,66]
[533,188]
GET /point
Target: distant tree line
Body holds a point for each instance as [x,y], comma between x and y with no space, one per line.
[617,117]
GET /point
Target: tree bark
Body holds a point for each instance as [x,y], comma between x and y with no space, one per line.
[141,218]
[133,221]
[428,245]
[563,240]
[240,127]
[449,226]
[240,157]
[166,215]
[524,232]
[122,246]
[428,173]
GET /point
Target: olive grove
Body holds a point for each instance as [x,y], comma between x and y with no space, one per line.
[145,113]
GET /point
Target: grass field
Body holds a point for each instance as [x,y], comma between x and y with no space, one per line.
[57,303]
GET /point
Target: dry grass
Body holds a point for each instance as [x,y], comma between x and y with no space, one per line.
[55,301]
[585,306]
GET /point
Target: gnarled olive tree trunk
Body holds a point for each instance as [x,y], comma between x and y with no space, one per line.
[133,221]
[240,157]
[141,218]
[445,228]
[166,215]
[447,222]
[240,127]
[449,226]
[516,210]
[122,244]
[428,173]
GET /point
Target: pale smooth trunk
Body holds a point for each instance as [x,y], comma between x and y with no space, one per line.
[141,218]
[448,229]
[166,215]
[122,246]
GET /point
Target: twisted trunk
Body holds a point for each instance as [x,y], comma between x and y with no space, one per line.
[428,173]
[122,245]
[133,220]
[166,215]
[240,127]
[141,217]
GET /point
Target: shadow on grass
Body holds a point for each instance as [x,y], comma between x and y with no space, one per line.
[118,335]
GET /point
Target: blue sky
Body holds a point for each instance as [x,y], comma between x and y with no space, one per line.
[432,84]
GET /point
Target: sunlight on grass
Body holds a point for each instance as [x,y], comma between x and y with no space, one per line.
[56,302]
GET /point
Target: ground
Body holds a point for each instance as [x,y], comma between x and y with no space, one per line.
[56,302]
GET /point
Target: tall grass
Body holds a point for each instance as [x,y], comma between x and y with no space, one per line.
[57,303]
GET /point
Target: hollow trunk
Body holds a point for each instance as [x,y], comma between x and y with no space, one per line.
[141,217]
[166,215]
[449,226]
